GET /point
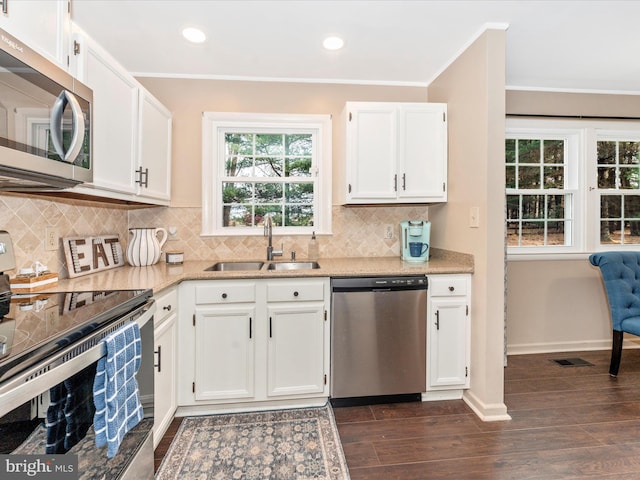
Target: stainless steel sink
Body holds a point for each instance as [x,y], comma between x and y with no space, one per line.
[235,266]
[293,266]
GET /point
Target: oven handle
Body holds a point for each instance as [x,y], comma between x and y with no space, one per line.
[54,370]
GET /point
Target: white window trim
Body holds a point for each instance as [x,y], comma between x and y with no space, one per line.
[214,124]
[587,176]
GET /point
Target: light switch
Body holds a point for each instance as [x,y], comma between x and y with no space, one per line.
[474,217]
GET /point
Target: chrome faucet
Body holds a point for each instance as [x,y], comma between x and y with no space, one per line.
[268,230]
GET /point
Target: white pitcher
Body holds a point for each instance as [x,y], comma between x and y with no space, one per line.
[144,247]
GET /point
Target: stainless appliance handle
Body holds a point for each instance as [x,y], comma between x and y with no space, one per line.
[37,379]
[67,98]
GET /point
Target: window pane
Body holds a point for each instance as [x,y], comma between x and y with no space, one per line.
[555,206]
[513,234]
[611,206]
[274,211]
[554,151]
[631,206]
[610,232]
[299,193]
[606,153]
[510,177]
[236,215]
[268,193]
[533,206]
[555,233]
[237,192]
[532,233]
[628,152]
[513,207]
[606,177]
[553,177]
[529,177]
[299,145]
[298,167]
[510,150]
[632,234]
[268,167]
[629,177]
[298,215]
[529,151]
[239,143]
[269,144]
[238,166]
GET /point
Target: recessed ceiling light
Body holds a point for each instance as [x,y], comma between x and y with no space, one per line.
[194,35]
[333,43]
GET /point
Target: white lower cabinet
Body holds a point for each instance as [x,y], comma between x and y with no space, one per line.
[448,336]
[165,349]
[253,344]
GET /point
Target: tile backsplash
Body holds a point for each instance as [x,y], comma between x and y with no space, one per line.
[357,231]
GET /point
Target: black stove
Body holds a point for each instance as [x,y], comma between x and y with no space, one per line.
[37,325]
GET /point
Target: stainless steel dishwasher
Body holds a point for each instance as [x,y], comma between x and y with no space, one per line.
[378,336]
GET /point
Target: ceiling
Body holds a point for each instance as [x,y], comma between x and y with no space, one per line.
[553,45]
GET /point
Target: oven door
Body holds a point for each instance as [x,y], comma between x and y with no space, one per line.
[48,409]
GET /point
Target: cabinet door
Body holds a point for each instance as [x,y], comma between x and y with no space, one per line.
[43,25]
[448,341]
[155,148]
[224,352]
[422,152]
[115,121]
[295,349]
[165,376]
[371,153]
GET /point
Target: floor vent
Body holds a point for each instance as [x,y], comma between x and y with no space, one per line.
[572,362]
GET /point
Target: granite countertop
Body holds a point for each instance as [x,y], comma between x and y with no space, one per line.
[162,275]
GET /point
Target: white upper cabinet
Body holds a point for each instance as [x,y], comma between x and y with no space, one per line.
[43,25]
[396,152]
[115,115]
[154,140]
[131,129]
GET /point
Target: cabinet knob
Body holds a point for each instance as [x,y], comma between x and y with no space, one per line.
[167,308]
[295,294]
[452,288]
[224,295]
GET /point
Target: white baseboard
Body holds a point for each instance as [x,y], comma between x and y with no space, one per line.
[493,412]
[436,395]
[605,344]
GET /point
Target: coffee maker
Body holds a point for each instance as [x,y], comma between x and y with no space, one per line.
[415,240]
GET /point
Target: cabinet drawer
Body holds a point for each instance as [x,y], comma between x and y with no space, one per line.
[447,286]
[295,292]
[166,304]
[236,292]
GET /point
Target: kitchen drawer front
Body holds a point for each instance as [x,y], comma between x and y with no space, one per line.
[166,304]
[295,291]
[448,286]
[236,292]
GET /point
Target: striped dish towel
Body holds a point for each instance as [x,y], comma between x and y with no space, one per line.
[115,389]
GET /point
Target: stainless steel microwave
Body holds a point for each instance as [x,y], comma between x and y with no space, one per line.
[45,122]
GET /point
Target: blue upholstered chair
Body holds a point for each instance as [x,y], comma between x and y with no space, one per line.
[621,274]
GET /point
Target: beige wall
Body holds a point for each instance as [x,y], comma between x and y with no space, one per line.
[473,88]
[560,305]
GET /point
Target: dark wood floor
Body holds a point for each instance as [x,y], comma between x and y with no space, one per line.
[567,423]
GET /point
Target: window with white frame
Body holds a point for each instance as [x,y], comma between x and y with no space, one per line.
[572,186]
[258,165]
[541,185]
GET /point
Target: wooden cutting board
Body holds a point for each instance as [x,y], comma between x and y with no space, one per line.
[87,255]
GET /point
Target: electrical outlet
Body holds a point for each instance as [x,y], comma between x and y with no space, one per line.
[388,231]
[51,316]
[50,238]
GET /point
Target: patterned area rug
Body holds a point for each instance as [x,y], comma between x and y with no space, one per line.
[278,445]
